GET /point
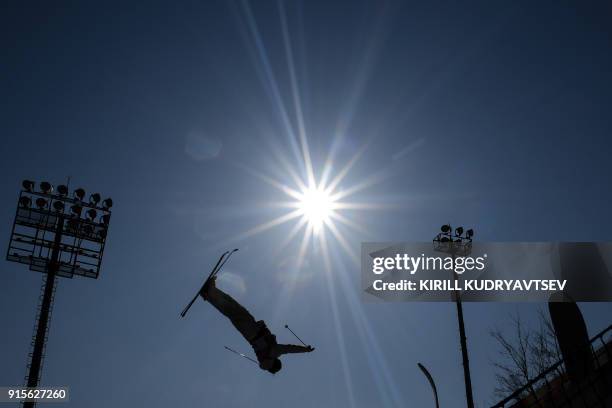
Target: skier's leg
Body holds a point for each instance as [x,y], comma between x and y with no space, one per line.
[240,317]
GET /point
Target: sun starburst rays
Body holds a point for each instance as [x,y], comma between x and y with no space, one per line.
[312,195]
[315,202]
[314,207]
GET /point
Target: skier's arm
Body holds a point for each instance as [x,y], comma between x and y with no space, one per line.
[292,348]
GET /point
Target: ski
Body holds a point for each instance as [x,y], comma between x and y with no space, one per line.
[223,263]
[222,260]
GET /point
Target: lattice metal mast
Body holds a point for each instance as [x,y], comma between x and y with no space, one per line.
[60,236]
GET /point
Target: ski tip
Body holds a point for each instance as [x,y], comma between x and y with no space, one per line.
[235,249]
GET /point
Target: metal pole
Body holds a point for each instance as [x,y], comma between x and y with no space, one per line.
[464,351]
[431,382]
[45,311]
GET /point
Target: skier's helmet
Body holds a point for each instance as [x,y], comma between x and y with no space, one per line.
[276,366]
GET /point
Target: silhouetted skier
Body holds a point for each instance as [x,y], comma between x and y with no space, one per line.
[256,333]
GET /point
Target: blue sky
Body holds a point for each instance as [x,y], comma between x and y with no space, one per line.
[494,115]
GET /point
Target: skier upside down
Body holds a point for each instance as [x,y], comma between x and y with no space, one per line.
[256,333]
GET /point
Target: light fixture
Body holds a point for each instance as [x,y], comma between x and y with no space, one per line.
[105,219]
[91,214]
[62,190]
[25,201]
[58,206]
[41,203]
[107,203]
[49,233]
[79,193]
[458,231]
[46,187]
[76,209]
[94,198]
[28,185]
[73,224]
[445,228]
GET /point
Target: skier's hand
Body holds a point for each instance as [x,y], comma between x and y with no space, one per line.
[310,349]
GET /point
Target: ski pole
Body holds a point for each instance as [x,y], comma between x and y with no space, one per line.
[241,355]
[287,327]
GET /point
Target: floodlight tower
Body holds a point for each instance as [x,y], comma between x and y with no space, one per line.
[455,242]
[61,236]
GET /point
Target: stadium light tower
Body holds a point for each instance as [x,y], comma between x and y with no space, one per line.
[61,236]
[457,243]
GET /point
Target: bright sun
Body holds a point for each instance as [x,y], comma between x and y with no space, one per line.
[316,206]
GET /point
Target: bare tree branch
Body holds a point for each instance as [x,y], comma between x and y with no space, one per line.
[525,354]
